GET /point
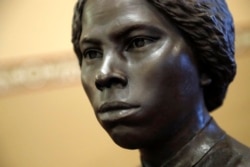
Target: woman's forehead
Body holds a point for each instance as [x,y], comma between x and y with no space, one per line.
[103,20]
[103,9]
[118,13]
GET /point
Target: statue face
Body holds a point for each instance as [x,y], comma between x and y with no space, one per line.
[137,70]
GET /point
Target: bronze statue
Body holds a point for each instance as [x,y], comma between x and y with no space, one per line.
[153,70]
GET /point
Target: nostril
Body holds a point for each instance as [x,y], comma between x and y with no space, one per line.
[110,80]
[118,82]
[99,86]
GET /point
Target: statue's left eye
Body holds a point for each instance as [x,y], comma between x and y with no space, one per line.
[139,42]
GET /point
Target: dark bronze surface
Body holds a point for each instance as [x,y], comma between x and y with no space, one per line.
[153,70]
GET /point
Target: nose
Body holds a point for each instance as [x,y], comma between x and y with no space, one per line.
[111,74]
[110,80]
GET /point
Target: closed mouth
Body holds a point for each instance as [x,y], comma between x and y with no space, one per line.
[112,111]
[112,106]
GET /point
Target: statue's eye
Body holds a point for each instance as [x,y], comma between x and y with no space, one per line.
[92,54]
[139,42]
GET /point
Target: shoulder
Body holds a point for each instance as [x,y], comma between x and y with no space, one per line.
[241,150]
[227,153]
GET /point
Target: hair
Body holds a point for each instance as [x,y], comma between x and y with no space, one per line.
[208,27]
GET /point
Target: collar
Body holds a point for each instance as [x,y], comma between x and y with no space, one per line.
[197,147]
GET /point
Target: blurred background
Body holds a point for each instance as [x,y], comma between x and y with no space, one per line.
[45,117]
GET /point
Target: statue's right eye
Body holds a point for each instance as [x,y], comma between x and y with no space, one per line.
[92,54]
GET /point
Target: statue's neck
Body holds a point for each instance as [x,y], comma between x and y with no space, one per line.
[157,154]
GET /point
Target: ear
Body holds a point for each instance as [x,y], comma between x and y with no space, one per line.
[205,80]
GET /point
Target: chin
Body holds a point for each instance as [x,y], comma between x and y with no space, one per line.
[129,138]
[127,142]
[123,138]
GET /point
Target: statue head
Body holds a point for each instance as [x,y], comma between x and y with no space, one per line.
[150,66]
[208,27]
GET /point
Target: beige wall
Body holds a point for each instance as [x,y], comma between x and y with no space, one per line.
[55,126]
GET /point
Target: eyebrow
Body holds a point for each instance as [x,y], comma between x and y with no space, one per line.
[90,41]
[128,29]
[119,34]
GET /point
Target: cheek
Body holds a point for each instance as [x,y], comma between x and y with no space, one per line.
[170,76]
[155,74]
[188,74]
[88,84]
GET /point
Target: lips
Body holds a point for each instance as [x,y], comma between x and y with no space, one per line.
[112,111]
